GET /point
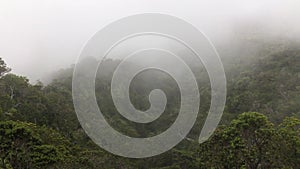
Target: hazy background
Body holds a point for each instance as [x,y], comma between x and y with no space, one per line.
[41,36]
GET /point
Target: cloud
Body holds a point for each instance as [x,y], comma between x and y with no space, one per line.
[38,37]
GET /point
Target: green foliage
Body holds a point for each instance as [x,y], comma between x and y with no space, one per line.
[45,155]
[288,142]
[39,127]
[270,86]
[251,141]
[23,147]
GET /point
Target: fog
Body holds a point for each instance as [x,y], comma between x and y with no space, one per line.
[39,37]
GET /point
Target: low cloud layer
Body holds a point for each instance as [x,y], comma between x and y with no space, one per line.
[38,37]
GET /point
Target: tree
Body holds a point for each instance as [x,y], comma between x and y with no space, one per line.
[3,68]
[288,143]
[22,145]
[251,141]
[245,143]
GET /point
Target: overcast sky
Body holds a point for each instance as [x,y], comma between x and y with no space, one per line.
[40,36]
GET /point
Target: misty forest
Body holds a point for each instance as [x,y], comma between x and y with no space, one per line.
[260,127]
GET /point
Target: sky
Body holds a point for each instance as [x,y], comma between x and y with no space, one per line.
[38,37]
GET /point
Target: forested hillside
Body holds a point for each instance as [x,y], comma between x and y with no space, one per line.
[260,127]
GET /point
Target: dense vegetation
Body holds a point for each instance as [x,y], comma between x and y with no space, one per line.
[260,127]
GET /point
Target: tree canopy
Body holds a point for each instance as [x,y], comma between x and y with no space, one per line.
[260,127]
